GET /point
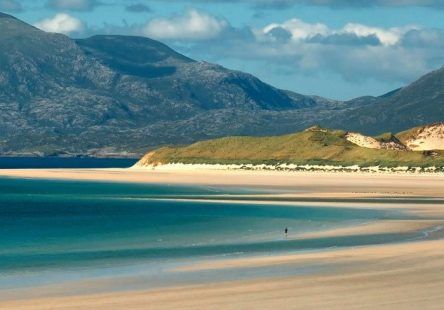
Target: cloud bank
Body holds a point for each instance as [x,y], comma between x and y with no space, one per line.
[357,52]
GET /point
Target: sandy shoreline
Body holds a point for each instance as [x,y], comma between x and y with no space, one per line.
[310,184]
[403,276]
[392,276]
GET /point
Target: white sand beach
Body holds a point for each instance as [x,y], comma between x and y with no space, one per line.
[307,184]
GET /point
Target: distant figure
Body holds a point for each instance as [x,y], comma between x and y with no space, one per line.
[286,232]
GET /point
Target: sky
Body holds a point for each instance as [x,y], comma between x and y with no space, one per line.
[339,49]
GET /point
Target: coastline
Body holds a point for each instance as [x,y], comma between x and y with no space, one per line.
[406,275]
[313,184]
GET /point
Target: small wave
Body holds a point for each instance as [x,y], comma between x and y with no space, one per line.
[430,231]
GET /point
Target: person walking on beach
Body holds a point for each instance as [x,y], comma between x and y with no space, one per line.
[286,232]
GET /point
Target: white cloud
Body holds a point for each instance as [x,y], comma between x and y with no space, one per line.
[389,36]
[301,30]
[61,23]
[193,24]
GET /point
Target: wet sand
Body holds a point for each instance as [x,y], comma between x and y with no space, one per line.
[402,276]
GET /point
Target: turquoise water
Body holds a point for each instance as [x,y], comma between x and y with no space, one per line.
[58,231]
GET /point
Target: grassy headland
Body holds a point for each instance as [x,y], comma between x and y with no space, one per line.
[314,146]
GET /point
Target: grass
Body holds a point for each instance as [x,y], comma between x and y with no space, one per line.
[316,146]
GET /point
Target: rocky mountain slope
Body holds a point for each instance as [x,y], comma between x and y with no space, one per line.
[419,103]
[122,95]
[313,146]
[110,94]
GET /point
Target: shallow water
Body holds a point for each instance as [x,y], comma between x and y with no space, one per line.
[59,231]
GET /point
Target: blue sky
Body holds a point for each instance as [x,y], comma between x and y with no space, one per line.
[334,48]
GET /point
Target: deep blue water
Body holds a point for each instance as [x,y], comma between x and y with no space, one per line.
[86,228]
[64,162]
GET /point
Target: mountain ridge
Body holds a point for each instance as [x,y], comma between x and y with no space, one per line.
[121,94]
[420,103]
[125,95]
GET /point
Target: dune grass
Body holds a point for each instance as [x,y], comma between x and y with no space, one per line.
[313,146]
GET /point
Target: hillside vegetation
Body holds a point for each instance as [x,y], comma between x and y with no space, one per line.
[312,146]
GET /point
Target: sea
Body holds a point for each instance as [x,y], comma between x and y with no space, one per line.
[64,162]
[72,237]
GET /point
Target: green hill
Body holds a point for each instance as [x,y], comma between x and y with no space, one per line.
[312,146]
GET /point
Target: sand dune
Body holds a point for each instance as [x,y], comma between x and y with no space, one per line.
[426,138]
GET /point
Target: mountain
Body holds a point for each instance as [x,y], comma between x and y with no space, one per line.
[419,103]
[117,94]
[123,95]
[315,145]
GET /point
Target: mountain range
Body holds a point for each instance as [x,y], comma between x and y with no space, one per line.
[123,95]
